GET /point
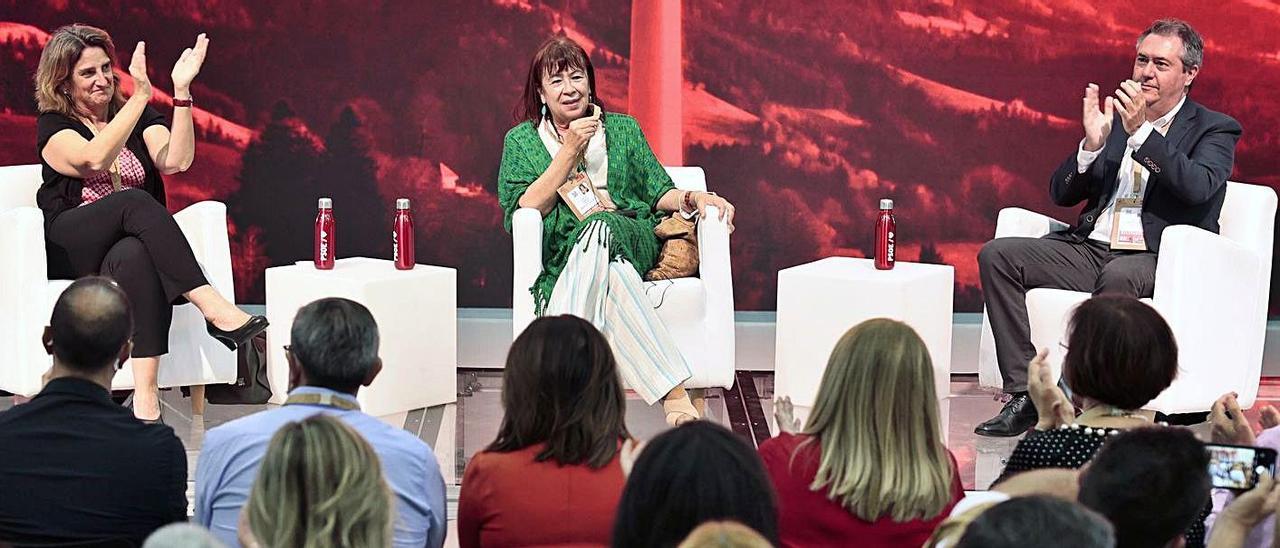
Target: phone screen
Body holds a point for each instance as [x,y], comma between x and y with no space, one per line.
[1237,467]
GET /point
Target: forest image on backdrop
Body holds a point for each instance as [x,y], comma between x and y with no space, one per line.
[803,114]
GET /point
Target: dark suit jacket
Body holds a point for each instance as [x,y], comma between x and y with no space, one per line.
[75,465]
[1188,174]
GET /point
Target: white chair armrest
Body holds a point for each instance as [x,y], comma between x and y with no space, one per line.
[23,282]
[717,281]
[1015,221]
[1210,290]
[205,226]
[526,246]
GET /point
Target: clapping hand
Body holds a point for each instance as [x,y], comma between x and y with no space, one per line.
[1229,424]
[188,64]
[1052,405]
[784,414]
[1097,121]
[1133,108]
[138,70]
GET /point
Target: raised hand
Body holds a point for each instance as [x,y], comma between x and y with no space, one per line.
[1133,108]
[138,70]
[581,130]
[784,414]
[1229,424]
[1097,122]
[188,64]
[1052,405]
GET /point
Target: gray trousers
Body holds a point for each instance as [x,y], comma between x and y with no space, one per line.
[1008,267]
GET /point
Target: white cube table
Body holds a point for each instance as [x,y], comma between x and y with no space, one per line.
[417,317]
[819,301]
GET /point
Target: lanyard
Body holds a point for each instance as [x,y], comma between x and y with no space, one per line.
[327,400]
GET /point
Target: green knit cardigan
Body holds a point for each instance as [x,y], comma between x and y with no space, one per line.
[636,182]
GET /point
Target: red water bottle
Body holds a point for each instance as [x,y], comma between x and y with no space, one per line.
[402,236]
[886,232]
[325,235]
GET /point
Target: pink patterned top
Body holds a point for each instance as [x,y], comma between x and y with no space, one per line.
[98,186]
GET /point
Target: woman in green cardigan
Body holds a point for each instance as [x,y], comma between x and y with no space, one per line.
[592,267]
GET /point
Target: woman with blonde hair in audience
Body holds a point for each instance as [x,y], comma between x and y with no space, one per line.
[870,463]
[554,474]
[320,486]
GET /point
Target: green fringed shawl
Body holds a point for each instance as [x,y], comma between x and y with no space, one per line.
[636,182]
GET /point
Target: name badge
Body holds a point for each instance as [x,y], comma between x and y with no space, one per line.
[581,195]
[1126,225]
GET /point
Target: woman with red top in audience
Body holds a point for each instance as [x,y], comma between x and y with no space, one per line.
[552,476]
[870,467]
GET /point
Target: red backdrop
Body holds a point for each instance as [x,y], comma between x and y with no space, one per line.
[803,113]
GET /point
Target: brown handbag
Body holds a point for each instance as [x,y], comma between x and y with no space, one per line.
[678,257]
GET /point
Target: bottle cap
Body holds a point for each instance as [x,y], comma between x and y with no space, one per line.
[886,203]
[326,203]
[402,203]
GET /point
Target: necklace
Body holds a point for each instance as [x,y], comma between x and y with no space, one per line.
[1098,411]
[114,170]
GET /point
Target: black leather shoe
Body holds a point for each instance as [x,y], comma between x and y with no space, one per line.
[233,339]
[1017,416]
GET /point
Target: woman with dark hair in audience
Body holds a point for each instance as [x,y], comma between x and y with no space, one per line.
[320,486]
[870,464]
[591,267]
[553,475]
[1120,355]
[689,475]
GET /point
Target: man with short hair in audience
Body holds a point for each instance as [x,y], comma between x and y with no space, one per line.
[1039,521]
[75,466]
[334,352]
[1151,483]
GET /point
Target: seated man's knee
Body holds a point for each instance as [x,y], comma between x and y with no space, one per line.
[995,251]
[1116,279]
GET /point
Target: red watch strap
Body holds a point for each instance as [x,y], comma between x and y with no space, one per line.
[183,102]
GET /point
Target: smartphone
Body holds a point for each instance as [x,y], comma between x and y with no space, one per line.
[1237,466]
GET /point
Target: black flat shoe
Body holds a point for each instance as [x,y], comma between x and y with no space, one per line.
[233,339]
[1017,416]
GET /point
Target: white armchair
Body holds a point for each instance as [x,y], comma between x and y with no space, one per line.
[1211,288]
[27,294]
[697,311]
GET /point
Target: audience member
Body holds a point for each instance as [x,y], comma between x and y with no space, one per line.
[319,486]
[1120,355]
[1230,426]
[74,465]
[1040,521]
[1237,524]
[689,475]
[724,534]
[870,464]
[552,476]
[1151,483]
[334,352]
[182,535]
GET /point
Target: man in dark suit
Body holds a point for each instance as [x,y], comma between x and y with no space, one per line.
[1151,157]
[75,466]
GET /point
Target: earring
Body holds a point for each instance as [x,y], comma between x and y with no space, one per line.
[544,110]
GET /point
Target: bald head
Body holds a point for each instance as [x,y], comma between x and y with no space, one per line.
[91,322]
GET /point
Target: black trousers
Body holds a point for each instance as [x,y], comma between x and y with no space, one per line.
[130,237]
[1008,267]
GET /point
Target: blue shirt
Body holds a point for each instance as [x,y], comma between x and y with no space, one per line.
[231,454]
